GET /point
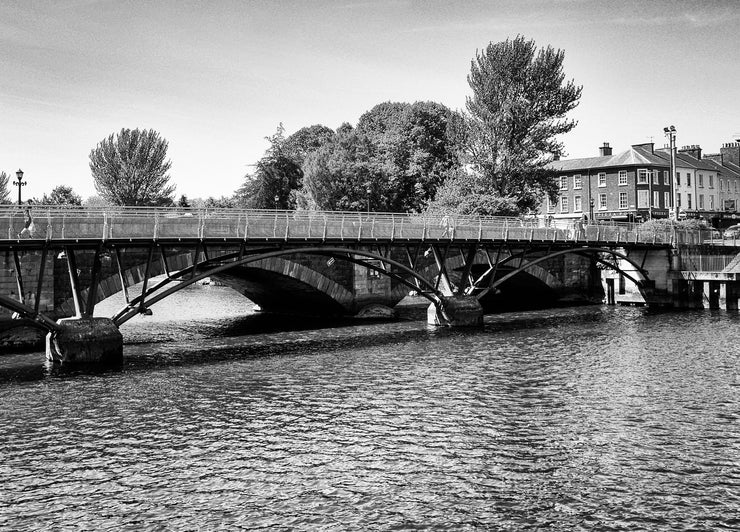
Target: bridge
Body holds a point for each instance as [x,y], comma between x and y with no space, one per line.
[285,260]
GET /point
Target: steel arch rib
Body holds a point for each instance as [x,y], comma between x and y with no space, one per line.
[129,311]
[16,306]
[579,251]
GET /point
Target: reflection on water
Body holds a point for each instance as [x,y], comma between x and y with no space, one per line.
[576,419]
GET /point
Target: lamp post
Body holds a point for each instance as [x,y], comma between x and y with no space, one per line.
[591,210]
[277,199]
[369,191]
[670,132]
[20,183]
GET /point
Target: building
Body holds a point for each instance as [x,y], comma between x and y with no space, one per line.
[696,187]
[633,185]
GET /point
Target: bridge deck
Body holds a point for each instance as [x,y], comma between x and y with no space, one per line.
[121,224]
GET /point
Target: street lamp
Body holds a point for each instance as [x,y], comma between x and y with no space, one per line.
[591,210]
[20,183]
[277,199]
[670,132]
[369,191]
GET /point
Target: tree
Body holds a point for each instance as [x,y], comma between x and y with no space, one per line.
[130,168]
[4,191]
[183,201]
[306,140]
[95,202]
[394,160]
[508,135]
[62,195]
[275,179]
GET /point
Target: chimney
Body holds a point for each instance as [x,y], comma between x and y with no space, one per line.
[646,146]
[716,157]
[694,150]
[731,152]
[605,150]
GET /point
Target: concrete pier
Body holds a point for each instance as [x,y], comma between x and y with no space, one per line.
[85,341]
[460,311]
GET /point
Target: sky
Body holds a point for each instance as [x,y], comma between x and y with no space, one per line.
[216,77]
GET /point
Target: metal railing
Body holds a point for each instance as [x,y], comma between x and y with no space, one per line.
[107,223]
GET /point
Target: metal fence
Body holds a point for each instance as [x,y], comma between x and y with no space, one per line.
[65,223]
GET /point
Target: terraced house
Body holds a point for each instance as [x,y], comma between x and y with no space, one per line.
[633,185]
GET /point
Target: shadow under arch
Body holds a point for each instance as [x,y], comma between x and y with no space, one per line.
[134,306]
[587,251]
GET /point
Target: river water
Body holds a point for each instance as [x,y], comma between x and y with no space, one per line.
[590,418]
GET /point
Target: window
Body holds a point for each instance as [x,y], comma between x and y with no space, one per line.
[563,182]
[577,204]
[666,199]
[622,200]
[688,179]
[701,201]
[602,202]
[678,200]
[656,177]
[656,198]
[701,180]
[721,185]
[577,181]
[643,196]
[551,205]
[678,179]
[711,203]
[688,201]
[642,177]
[563,203]
[622,177]
[602,179]
[711,181]
[665,178]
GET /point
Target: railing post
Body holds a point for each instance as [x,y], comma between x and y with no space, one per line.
[393,227]
[287,225]
[323,238]
[359,232]
[480,229]
[156,225]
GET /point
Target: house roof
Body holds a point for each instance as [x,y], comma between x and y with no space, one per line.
[630,157]
[727,169]
[685,160]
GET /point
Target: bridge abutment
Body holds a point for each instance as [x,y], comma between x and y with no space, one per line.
[85,341]
[459,311]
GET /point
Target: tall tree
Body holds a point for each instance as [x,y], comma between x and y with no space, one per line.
[4,191]
[62,195]
[275,179]
[509,135]
[130,168]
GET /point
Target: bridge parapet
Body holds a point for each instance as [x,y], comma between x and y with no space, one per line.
[52,223]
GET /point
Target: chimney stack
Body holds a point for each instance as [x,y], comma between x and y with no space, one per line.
[605,150]
[694,150]
[731,152]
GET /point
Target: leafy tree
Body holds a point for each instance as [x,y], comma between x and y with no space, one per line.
[183,201]
[95,201]
[274,180]
[130,168]
[62,195]
[306,140]
[508,135]
[4,191]
[395,159]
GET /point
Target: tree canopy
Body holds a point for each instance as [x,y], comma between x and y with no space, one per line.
[4,190]
[130,168]
[509,134]
[61,195]
[275,179]
[393,160]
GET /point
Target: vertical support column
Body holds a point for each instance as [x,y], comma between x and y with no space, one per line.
[732,293]
[92,291]
[74,280]
[610,297]
[711,294]
[722,296]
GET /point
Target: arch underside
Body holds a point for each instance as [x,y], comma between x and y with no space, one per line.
[270,278]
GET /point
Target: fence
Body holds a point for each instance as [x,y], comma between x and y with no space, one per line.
[65,223]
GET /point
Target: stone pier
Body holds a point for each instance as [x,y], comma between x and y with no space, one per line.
[85,341]
[459,311]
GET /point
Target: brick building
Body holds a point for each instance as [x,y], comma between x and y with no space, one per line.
[633,185]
